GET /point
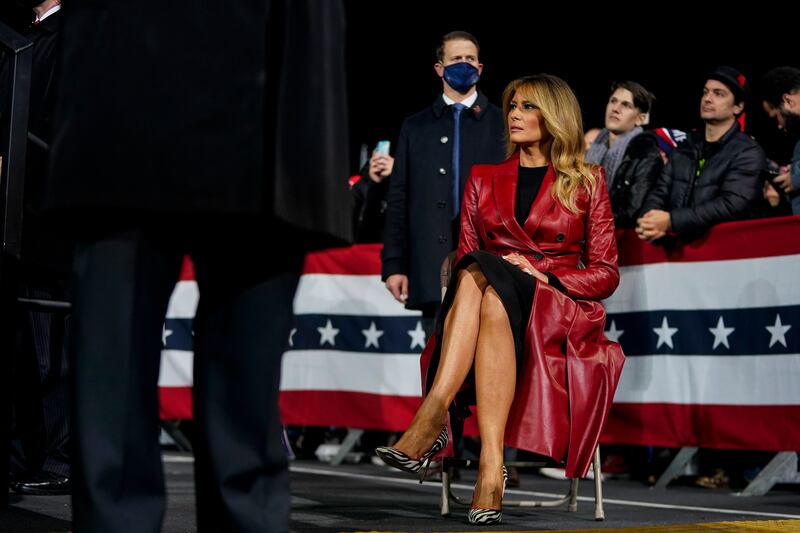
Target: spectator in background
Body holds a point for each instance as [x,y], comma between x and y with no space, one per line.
[713,177]
[590,136]
[436,149]
[369,198]
[780,90]
[629,155]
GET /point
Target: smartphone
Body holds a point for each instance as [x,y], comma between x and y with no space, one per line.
[382,148]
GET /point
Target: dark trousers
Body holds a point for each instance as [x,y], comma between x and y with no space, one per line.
[40,387]
[123,282]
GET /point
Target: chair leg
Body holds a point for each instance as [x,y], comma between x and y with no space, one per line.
[573,495]
[599,514]
[445,501]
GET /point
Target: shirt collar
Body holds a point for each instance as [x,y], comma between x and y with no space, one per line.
[47,13]
[467,102]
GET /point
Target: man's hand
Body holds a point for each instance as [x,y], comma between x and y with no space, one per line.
[771,195]
[653,225]
[380,166]
[522,262]
[784,181]
[398,286]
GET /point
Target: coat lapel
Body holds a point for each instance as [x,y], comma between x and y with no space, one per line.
[504,189]
[542,204]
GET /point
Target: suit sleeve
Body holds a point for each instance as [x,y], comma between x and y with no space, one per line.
[600,277]
[740,189]
[469,238]
[395,234]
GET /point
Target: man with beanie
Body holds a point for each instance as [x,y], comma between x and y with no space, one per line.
[629,155]
[436,149]
[780,89]
[714,176]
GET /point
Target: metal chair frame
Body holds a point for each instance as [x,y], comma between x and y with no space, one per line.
[570,499]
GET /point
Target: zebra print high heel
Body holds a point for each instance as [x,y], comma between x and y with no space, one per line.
[487,517]
[394,457]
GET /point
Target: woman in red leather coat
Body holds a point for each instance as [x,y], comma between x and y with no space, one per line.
[521,327]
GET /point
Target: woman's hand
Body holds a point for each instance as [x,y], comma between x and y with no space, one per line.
[522,262]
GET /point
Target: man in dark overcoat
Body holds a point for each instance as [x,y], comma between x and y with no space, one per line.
[216,130]
[430,170]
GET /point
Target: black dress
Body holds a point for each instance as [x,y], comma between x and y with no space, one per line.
[514,286]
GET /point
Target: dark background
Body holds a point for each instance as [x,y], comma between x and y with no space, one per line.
[668,47]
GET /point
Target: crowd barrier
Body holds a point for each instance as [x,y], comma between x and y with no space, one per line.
[711,331]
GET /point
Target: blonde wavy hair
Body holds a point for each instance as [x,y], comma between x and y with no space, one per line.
[562,118]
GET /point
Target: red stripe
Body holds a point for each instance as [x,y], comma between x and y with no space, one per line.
[763,427]
[748,239]
[176,403]
[354,410]
[360,259]
[348,409]
[187,269]
[769,428]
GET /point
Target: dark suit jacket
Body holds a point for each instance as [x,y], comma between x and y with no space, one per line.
[227,109]
[45,249]
[418,233]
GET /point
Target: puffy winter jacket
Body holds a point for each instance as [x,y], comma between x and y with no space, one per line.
[705,184]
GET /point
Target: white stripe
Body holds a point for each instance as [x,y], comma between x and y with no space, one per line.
[711,380]
[336,294]
[613,501]
[183,302]
[176,368]
[734,284]
[172,458]
[375,373]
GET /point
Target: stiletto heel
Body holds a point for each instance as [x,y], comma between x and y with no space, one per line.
[487,517]
[394,457]
[424,471]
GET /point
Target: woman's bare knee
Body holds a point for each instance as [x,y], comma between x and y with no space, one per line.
[473,275]
[492,307]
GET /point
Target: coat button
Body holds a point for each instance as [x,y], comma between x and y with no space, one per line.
[444,139]
[538,256]
[442,239]
[442,171]
[560,237]
[441,204]
[490,235]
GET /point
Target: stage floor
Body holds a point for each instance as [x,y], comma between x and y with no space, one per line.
[366,497]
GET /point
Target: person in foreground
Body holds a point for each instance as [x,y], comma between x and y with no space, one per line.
[173,140]
[521,329]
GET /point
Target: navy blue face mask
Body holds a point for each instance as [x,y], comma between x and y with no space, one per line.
[461,76]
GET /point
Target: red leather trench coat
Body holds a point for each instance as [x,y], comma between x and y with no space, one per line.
[570,371]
